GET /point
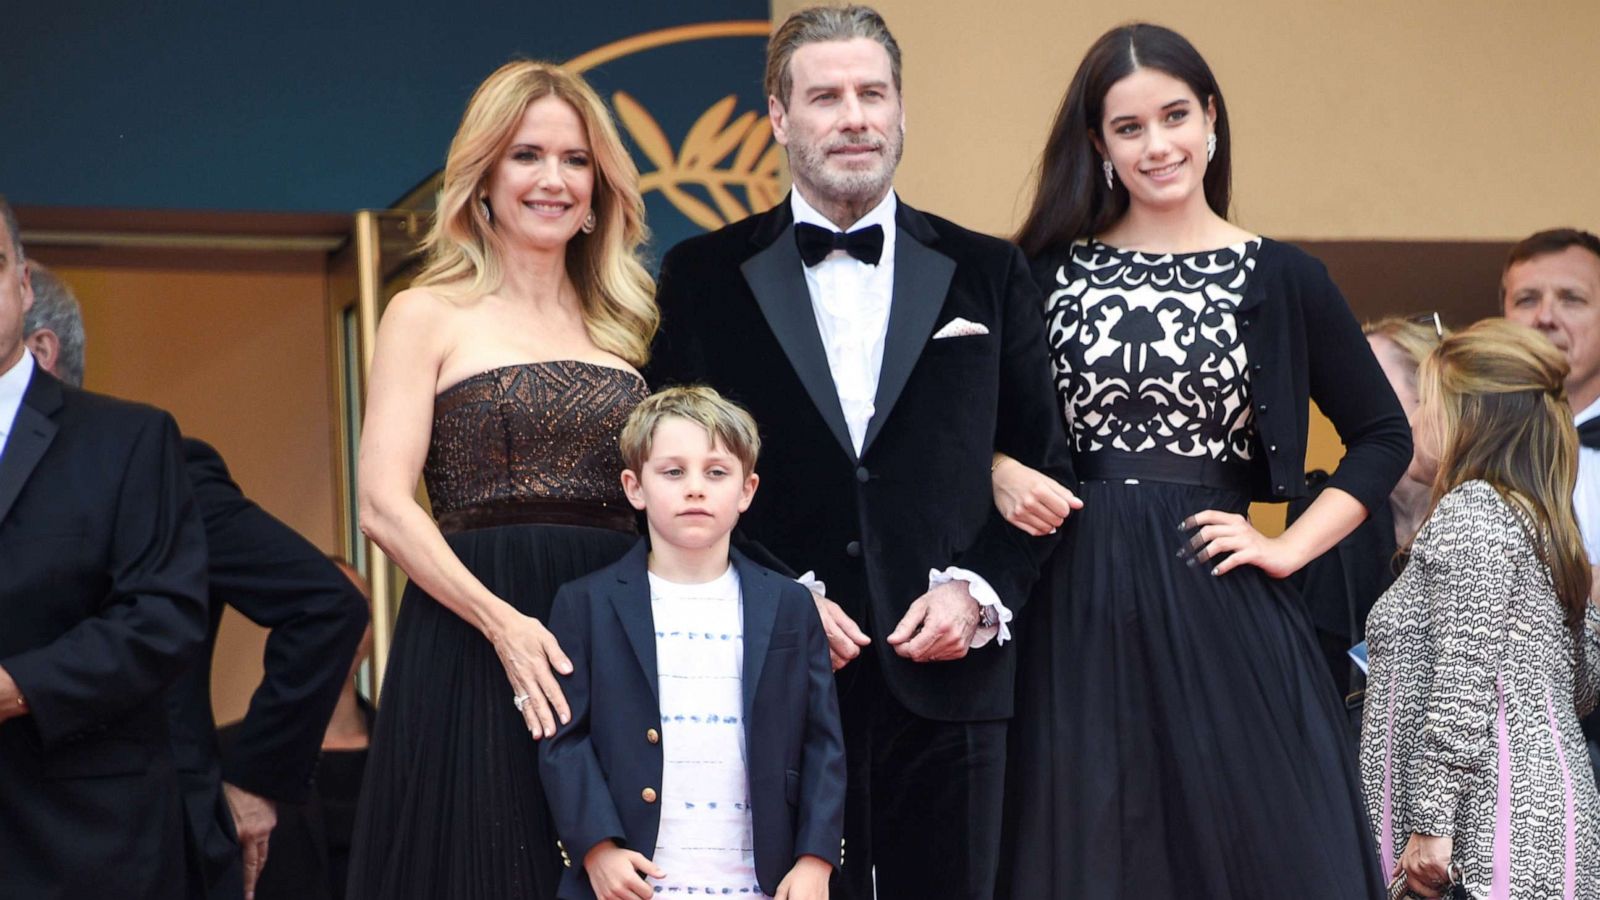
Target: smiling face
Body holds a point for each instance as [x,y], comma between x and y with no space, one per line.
[691,488]
[844,125]
[1154,132]
[541,188]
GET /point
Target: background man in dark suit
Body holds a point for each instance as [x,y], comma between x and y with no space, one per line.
[102,596]
[885,366]
[1551,282]
[280,581]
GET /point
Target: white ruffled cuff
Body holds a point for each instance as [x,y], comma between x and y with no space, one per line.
[808,580]
[982,592]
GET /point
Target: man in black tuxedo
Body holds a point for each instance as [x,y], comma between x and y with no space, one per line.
[102,605]
[887,354]
[278,580]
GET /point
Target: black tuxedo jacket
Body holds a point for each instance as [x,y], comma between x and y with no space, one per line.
[736,314]
[102,605]
[280,581]
[597,766]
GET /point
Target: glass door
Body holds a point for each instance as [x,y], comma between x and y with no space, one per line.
[377,261]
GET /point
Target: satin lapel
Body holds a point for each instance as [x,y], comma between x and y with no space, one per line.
[777,278]
[921,280]
[759,596]
[630,598]
[31,435]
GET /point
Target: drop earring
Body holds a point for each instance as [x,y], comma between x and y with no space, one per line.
[1111,173]
[589,222]
[1211,146]
[483,207]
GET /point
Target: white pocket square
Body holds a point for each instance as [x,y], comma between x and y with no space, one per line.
[959,327]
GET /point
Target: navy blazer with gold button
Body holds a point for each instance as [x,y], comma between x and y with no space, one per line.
[602,770]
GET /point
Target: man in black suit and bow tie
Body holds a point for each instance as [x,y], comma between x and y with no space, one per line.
[887,354]
[102,605]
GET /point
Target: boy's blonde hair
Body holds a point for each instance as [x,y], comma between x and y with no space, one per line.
[722,419]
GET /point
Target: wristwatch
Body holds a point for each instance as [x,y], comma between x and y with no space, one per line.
[988,616]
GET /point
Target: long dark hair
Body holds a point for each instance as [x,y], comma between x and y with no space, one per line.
[1071,200]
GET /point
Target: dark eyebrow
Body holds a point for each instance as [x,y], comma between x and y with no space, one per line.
[1173,104]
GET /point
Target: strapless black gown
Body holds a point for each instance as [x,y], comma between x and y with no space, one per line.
[522,472]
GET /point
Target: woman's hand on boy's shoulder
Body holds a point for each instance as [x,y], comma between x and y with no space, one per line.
[808,880]
[618,874]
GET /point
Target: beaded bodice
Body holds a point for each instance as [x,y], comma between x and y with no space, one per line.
[526,436]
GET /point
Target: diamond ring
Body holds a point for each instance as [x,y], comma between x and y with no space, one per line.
[519,701]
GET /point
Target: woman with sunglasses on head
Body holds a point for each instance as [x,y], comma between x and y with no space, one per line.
[1485,652]
[1177,733]
[1341,585]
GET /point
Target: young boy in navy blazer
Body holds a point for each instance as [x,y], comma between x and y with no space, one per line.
[703,755]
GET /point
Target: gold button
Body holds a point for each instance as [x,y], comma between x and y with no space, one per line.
[560,845]
[649,795]
[653,736]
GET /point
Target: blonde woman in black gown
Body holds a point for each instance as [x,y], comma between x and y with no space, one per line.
[501,378]
[1177,734]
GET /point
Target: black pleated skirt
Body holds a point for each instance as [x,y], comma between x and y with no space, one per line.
[1176,734]
[451,805]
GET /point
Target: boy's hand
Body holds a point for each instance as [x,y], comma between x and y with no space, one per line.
[614,873]
[808,880]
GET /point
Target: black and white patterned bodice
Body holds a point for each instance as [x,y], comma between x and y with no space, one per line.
[1147,350]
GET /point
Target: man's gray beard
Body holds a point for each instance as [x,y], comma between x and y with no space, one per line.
[808,166]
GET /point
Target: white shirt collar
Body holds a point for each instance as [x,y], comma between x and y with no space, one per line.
[13,384]
[1587,413]
[882,214]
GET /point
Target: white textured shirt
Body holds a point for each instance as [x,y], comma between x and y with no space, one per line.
[706,842]
[851,302]
[1586,497]
[13,384]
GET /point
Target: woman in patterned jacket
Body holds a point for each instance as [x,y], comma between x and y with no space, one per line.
[1485,652]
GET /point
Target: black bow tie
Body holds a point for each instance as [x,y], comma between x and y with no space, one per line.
[816,242]
[1589,434]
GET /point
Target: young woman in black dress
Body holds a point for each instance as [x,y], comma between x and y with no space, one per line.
[1177,733]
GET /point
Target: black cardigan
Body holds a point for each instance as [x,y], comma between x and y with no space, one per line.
[1304,344]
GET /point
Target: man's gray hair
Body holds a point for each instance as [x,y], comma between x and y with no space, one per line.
[12,228]
[55,308]
[816,24]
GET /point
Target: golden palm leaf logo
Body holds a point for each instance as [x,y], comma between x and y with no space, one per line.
[755,170]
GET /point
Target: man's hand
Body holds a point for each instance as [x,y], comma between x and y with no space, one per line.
[939,625]
[253,820]
[11,702]
[808,880]
[614,872]
[845,637]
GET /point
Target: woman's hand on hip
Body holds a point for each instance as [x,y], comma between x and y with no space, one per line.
[1214,534]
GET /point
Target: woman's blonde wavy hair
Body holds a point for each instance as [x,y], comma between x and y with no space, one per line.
[463,252]
[1500,414]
